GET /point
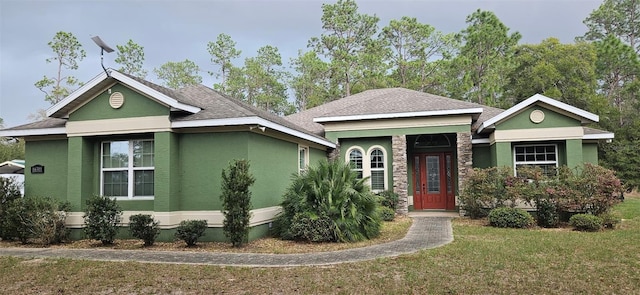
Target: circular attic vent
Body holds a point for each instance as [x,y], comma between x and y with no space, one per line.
[116,100]
[536,116]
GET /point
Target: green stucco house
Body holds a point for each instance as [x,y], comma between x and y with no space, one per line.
[161,151]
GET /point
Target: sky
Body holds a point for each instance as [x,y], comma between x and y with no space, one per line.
[179,30]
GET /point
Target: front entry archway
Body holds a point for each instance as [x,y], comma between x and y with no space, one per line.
[433,186]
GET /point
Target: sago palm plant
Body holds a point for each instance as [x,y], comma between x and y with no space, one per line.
[328,192]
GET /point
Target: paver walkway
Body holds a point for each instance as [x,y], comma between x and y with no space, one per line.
[424,233]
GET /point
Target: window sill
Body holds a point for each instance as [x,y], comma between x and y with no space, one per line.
[133,199]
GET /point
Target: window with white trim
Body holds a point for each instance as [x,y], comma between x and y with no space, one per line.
[303,158]
[544,156]
[355,160]
[377,169]
[127,169]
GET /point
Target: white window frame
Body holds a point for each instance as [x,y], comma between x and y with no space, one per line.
[370,169]
[305,163]
[130,171]
[533,163]
[364,156]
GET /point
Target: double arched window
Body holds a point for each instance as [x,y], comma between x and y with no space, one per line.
[372,164]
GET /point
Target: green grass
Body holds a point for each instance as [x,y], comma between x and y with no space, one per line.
[481,260]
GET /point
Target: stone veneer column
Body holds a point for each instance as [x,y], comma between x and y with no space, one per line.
[399,147]
[334,154]
[465,157]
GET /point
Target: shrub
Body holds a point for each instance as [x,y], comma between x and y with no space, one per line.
[389,199]
[591,189]
[548,214]
[236,201]
[144,227]
[586,222]
[510,217]
[386,213]
[610,220]
[306,227]
[41,219]
[484,190]
[190,231]
[101,219]
[330,189]
[9,191]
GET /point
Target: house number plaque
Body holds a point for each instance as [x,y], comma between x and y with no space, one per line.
[37,169]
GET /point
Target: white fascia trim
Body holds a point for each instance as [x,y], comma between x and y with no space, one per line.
[530,101]
[398,115]
[30,132]
[67,100]
[599,136]
[153,93]
[128,81]
[251,121]
[480,140]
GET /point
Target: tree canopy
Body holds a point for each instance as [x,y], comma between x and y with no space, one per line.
[131,59]
[67,53]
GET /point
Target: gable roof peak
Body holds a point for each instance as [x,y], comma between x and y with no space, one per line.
[78,97]
[585,117]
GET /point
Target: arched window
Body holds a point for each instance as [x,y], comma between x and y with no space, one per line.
[355,160]
[377,169]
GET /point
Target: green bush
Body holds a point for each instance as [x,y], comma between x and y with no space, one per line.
[484,190]
[610,220]
[9,191]
[144,227]
[236,201]
[586,222]
[595,189]
[588,189]
[330,189]
[510,217]
[389,199]
[101,218]
[190,231]
[386,213]
[305,227]
[41,219]
[548,214]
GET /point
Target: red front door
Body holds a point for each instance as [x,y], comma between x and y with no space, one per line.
[433,181]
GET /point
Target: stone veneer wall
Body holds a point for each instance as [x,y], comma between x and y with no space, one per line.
[399,147]
[465,158]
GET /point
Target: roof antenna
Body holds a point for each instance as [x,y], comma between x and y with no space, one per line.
[103,47]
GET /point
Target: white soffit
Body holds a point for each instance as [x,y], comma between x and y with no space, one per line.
[398,115]
[251,121]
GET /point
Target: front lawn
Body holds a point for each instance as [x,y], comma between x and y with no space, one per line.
[481,260]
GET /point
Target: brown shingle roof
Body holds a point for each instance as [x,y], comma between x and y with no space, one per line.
[42,124]
[216,105]
[588,130]
[386,101]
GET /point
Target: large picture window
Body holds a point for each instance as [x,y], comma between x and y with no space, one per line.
[127,169]
[544,156]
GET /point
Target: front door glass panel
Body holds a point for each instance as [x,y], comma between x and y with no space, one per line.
[433,174]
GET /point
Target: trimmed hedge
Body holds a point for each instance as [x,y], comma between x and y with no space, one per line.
[510,217]
[586,222]
[190,231]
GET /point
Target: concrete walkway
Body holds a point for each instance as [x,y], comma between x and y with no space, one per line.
[424,233]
